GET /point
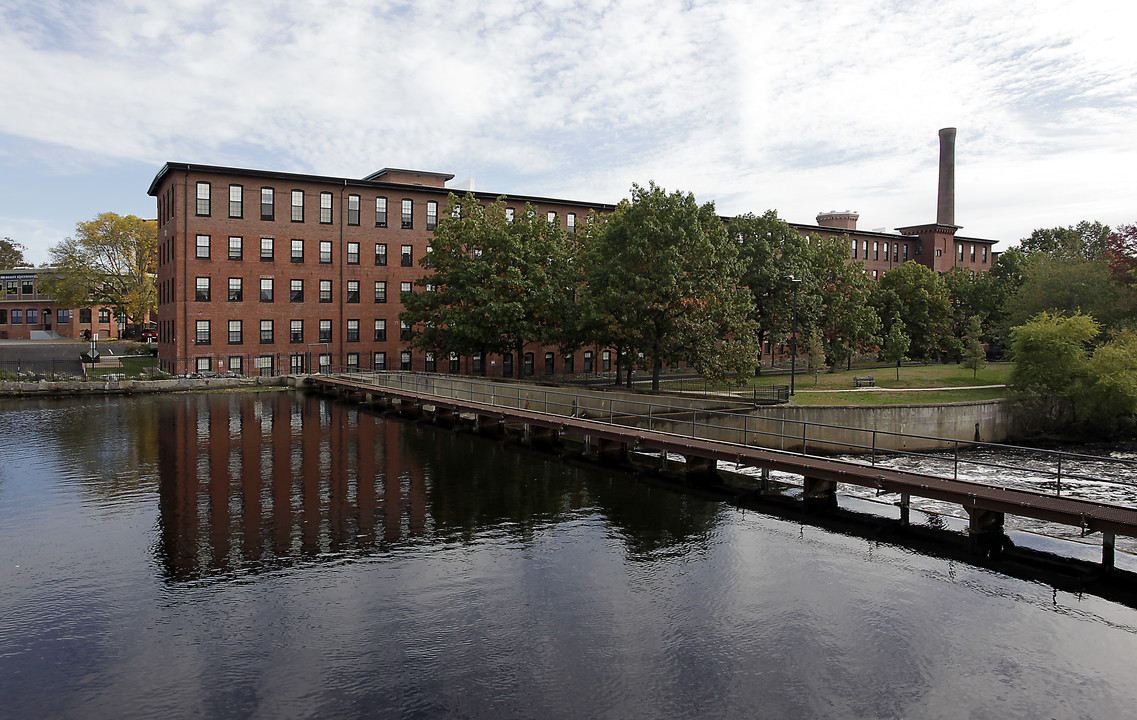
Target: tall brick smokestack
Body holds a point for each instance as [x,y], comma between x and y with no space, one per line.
[945,207]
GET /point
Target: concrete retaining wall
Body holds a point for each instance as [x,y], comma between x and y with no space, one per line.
[125,387]
[850,429]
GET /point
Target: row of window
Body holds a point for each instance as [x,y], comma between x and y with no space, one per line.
[236,251]
[235,290]
[298,362]
[898,248]
[203,331]
[25,287]
[32,316]
[236,208]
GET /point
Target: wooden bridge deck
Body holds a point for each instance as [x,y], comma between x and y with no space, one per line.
[984,503]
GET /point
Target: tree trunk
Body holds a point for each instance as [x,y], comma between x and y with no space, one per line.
[656,367]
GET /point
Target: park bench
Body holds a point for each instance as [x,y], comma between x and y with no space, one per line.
[865,381]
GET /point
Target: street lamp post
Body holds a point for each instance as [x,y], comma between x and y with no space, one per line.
[793,337]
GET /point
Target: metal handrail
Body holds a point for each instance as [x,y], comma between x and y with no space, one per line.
[560,402]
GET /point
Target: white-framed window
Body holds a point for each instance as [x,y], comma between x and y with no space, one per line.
[295,290]
[203,198]
[201,289]
[352,332]
[325,291]
[326,208]
[431,214]
[236,201]
[266,332]
[352,209]
[408,214]
[325,251]
[235,247]
[297,206]
[268,204]
[202,252]
[380,330]
[380,291]
[379,360]
[353,253]
[381,212]
[266,289]
[201,332]
[380,254]
[235,334]
[266,249]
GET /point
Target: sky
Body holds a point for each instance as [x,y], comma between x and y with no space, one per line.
[797,106]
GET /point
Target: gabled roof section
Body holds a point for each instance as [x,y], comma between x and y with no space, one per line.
[410,177]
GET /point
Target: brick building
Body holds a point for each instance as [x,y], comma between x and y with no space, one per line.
[27,313]
[268,272]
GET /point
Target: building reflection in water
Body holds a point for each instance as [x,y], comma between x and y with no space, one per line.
[254,481]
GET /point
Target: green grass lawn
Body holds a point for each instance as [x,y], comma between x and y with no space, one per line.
[915,376]
[132,366]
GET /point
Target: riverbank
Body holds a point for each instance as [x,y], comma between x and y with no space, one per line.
[129,387]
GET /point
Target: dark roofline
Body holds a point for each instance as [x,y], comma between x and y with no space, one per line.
[171,167]
[383,171]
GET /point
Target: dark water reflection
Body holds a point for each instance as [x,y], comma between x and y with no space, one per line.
[276,555]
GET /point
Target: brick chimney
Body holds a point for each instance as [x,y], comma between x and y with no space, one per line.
[945,206]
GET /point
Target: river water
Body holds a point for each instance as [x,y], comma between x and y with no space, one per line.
[280,555]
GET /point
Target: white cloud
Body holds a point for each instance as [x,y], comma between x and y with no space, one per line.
[800,106]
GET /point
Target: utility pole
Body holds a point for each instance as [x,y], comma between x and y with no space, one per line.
[793,337]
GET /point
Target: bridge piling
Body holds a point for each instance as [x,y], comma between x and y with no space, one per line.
[819,494]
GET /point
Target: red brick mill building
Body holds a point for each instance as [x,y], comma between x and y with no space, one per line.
[268,273]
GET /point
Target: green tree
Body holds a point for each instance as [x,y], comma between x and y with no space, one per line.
[815,353]
[1110,396]
[110,262]
[1085,241]
[492,284]
[770,252]
[974,356]
[11,254]
[662,278]
[1067,286]
[841,294]
[919,296]
[1051,355]
[896,343]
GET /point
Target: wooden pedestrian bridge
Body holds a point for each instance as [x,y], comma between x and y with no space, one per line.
[609,429]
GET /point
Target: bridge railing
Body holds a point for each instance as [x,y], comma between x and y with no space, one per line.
[1046,470]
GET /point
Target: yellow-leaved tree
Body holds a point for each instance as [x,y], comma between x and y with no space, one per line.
[110,262]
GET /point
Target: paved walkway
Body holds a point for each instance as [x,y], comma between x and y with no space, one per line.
[888,389]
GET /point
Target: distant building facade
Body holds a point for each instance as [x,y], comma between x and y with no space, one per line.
[264,272]
[269,273]
[26,313]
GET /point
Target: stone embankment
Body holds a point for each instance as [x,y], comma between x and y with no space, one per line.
[130,387]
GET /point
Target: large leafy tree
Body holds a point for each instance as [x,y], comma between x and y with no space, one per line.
[977,296]
[493,283]
[919,297]
[662,277]
[839,292]
[11,254]
[1086,241]
[110,261]
[1051,354]
[771,253]
[1070,285]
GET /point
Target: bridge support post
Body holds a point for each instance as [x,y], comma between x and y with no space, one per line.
[611,452]
[905,506]
[490,426]
[1107,543]
[764,486]
[444,416]
[819,494]
[544,438]
[701,469]
[986,529]
[662,460]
